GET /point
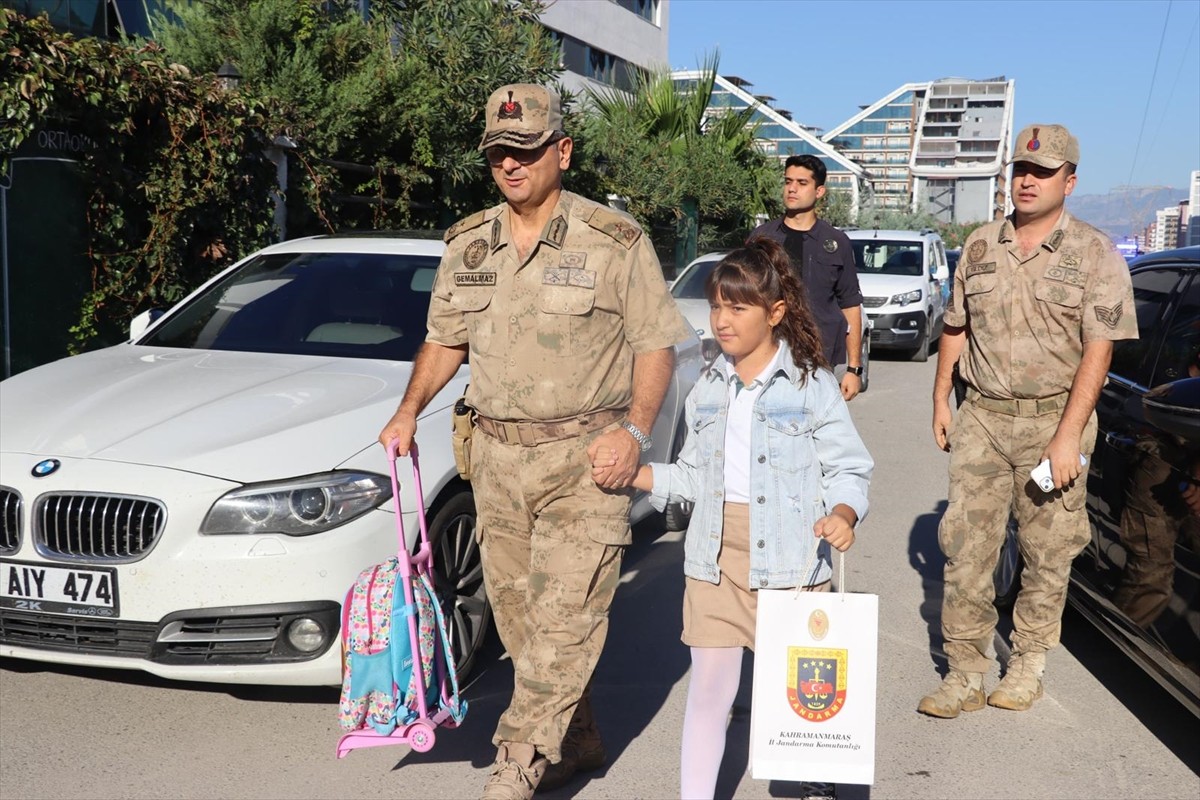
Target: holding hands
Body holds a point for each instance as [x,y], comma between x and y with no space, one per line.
[614,456]
[608,464]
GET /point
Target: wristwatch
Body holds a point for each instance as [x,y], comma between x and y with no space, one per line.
[855,371]
[644,441]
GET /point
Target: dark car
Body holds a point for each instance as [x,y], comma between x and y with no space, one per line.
[1138,579]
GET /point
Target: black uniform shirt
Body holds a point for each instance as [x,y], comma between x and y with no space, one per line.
[824,260]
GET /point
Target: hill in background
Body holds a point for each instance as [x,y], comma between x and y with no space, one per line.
[1125,210]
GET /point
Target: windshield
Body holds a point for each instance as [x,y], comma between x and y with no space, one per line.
[886,257]
[690,285]
[352,305]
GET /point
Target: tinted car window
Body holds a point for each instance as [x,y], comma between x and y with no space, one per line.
[352,305]
[1151,290]
[1180,354]
[884,257]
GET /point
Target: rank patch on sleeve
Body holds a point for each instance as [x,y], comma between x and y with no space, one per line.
[1110,316]
[474,279]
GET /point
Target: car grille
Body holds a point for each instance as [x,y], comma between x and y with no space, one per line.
[97,527]
[76,634]
[874,302]
[10,520]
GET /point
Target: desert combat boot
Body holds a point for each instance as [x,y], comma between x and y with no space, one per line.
[582,750]
[1022,683]
[959,691]
[516,773]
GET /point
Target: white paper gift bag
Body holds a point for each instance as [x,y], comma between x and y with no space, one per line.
[815,663]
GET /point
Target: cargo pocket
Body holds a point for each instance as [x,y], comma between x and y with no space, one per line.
[609,530]
[481,329]
[564,310]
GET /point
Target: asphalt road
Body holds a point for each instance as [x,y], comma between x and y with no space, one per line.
[1102,730]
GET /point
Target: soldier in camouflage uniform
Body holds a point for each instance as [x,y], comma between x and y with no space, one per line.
[1036,305]
[562,305]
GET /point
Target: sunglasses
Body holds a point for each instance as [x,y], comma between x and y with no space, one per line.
[497,153]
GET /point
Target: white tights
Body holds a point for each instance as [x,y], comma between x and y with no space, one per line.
[716,674]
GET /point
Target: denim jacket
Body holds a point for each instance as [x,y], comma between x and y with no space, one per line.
[806,457]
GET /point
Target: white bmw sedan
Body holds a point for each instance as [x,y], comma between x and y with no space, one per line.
[196,502]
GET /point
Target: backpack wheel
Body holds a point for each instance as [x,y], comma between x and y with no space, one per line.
[420,737]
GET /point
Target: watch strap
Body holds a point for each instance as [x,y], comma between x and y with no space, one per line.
[642,439]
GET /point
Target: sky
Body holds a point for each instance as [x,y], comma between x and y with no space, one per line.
[1095,66]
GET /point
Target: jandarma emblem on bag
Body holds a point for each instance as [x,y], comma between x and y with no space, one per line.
[816,682]
[818,625]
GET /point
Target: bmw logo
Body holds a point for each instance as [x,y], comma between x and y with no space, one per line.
[44,468]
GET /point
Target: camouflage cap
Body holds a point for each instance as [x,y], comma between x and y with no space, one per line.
[522,115]
[1048,146]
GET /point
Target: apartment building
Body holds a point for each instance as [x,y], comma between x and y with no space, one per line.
[778,134]
[605,42]
[1166,229]
[937,146]
[1193,227]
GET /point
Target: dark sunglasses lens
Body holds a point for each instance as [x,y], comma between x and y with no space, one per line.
[497,153]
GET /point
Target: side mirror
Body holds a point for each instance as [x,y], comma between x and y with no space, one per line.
[142,322]
[1175,408]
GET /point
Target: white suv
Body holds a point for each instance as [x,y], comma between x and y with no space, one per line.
[905,285]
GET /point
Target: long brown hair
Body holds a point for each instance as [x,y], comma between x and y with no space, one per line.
[760,274]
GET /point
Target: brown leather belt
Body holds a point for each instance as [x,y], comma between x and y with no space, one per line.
[1019,407]
[529,434]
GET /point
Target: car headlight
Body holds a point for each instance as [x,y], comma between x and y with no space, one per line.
[908,297]
[297,507]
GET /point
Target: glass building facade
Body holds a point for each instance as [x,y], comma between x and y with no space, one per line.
[778,134]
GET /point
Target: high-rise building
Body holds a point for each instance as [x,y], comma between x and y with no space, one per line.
[1166,228]
[778,134]
[1193,226]
[938,147]
[605,42]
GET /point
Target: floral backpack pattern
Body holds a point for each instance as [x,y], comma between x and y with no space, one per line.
[379,683]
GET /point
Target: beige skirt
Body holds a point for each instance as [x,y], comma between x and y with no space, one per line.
[722,614]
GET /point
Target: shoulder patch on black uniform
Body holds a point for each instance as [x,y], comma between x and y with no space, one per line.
[616,225]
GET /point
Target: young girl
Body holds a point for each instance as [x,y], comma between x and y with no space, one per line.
[775,469]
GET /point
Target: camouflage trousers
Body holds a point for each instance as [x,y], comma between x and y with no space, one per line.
[551,543]
[991,456]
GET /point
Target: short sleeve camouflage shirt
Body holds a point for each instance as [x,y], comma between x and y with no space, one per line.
[553,337]
[1027,318]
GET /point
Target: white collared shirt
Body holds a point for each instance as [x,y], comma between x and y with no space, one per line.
[737,428]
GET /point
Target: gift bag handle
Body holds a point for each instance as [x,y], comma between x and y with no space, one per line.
[810,569]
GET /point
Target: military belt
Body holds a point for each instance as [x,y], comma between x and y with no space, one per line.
[1019,407]
[528,434]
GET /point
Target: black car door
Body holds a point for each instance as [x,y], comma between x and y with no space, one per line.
[1141,569]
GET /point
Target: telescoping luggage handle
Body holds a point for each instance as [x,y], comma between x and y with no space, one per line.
[419,733]
[424,553]
[454,709]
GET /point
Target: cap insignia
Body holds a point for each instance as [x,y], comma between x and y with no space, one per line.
[1034,144]
[510,109]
